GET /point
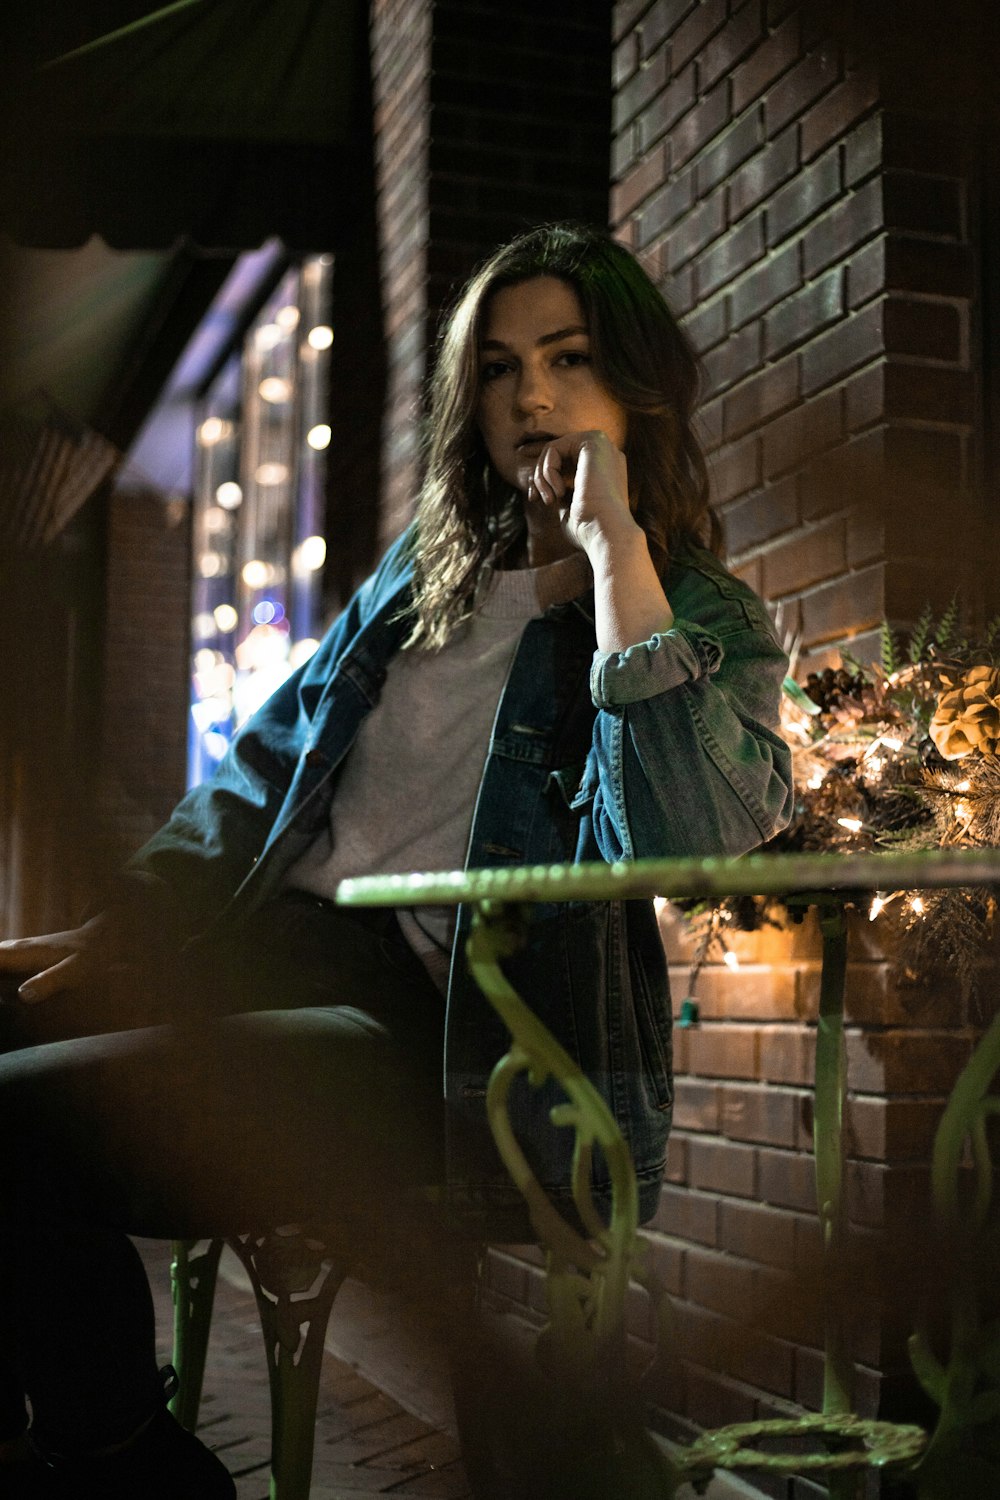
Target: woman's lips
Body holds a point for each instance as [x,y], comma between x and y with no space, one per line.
[535,440]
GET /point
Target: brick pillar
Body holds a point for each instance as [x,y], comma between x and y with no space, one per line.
[401,55]
[489,118]
[144,708]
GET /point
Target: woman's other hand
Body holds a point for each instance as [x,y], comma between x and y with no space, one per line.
[57,961]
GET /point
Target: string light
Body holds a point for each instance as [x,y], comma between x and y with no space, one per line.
[318,437]
[213,430]
[229,495]
[226,618]
[320,337]
[853,825]
[877,906]
[918,906]
[275,389]
[730,960]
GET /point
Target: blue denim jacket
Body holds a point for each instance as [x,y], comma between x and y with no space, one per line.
[667,748]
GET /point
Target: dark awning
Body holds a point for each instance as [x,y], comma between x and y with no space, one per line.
[222,122]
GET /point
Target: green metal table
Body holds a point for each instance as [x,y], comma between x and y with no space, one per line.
[588,1276]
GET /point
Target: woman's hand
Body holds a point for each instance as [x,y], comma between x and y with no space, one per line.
[583,478]
[59,960]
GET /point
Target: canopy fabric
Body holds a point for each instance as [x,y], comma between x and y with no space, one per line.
[223,122]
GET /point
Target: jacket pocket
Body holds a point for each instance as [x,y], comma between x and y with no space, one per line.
[576,784]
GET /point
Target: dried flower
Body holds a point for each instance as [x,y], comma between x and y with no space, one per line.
[967,717]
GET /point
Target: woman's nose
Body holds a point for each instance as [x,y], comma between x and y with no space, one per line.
[534,391]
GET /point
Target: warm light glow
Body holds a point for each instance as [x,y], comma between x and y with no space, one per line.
[203,625]
[318,437]
[268,336]
[320,337]
[229,495]
[287,317]
[890,741]
[730,960]
[213,430]
[816,780]
[226,618]
[268,474]
[257,574]
[878,902]
[963,786]
[215,519]
[275,389]
[309,555]
[917,905]
[302,650]
[853,825]
[211,564]
[963,812]
[876,764]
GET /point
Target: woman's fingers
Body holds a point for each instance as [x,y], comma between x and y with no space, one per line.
[56,960]
[38,952]
[64,975]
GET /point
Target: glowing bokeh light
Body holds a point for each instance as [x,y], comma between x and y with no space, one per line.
[269,474]
[320,337]
[275,389]
[225,617]
[229,495]
[309,555]
[318,437]
[213,430]
[257,574]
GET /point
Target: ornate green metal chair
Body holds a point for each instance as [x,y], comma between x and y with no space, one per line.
[296,1277]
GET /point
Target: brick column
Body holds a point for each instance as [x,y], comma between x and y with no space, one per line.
[490,117]
[401,60]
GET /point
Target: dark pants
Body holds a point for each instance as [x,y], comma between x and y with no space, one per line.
[299,1079]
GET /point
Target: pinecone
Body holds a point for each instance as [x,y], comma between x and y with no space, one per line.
[967,717]
[832,689]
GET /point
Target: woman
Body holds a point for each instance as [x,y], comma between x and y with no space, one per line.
[550,665]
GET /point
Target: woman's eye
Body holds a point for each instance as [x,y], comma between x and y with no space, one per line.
[573,357]
[493,370]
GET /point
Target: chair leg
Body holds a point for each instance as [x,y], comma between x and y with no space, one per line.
[193,1273]
[295,1285]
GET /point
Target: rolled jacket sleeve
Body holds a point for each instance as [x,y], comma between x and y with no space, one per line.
[677,655]
[687,758]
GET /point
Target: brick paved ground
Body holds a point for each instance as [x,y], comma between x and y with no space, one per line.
[366,1444]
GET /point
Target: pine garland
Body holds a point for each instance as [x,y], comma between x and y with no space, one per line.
[869,776]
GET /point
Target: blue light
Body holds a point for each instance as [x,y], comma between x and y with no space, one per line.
[264,612]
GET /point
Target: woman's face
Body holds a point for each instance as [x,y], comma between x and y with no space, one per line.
[536,379]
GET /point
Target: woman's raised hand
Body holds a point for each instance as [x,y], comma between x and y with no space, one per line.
[58,960]
[584,476]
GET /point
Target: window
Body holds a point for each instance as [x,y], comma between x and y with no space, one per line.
[258,545]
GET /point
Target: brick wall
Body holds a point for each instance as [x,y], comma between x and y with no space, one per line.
[812,229]
[807,203]
[144,703]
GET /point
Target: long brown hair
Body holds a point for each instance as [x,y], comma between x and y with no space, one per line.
[466,515]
